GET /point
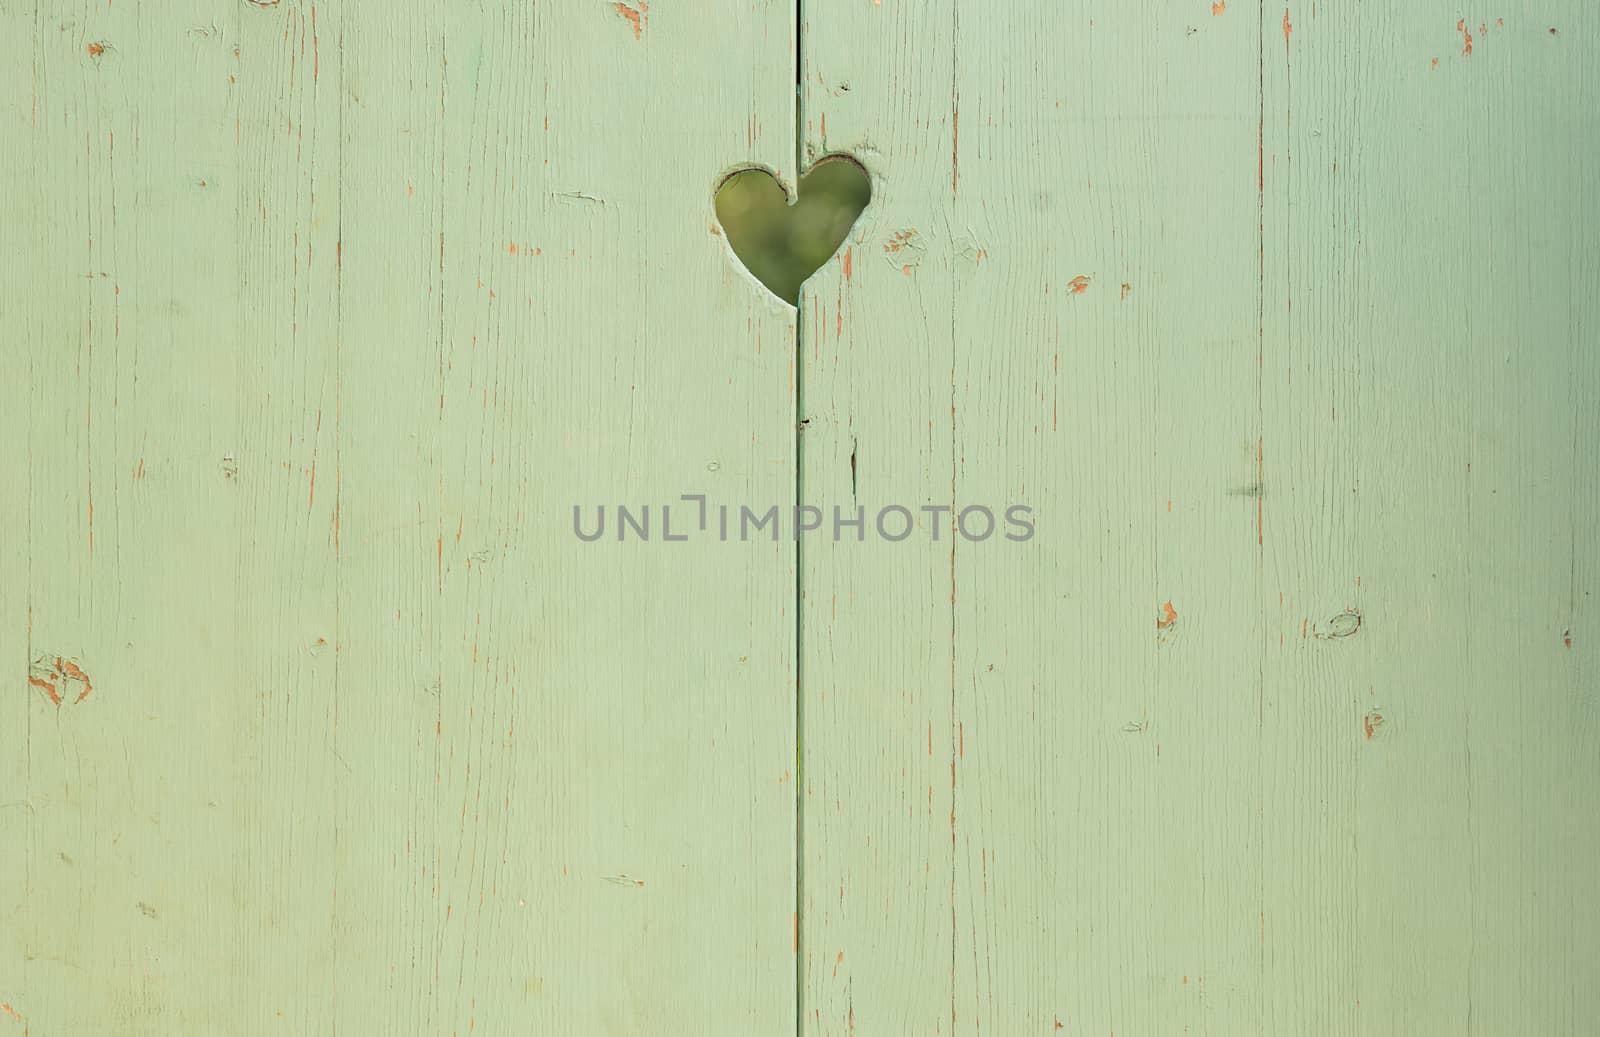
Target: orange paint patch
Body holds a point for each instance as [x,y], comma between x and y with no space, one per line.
[900,240]
[51,675]
[1169,616]
[837,961]
[511,248]
[1287,28]
[1078,285]
[96,49]
[1372,723]
[844,262]
[635,17]
[1126,288]
[71,671]
[45,686]
[1218,7]
[1435,62]
[1466,38]
[11,1013]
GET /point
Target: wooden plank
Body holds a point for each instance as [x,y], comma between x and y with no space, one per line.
[1108,793]
[392,961]
[285,781]
[877,725]
[135,819]
[334,314]
[17,165]
[1429,453]
[572,816]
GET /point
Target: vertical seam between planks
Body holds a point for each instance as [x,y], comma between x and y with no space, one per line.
[27,663]
[1261,590]
[799,588]
[955,180]
[338,480]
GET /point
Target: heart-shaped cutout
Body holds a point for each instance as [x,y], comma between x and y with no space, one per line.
[783,244]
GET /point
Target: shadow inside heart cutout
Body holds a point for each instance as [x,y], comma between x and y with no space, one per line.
[783,244]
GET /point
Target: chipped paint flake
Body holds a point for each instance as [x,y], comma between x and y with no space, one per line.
[45,686]
[637,17]
[901,240]
[53,674]
[1372,723]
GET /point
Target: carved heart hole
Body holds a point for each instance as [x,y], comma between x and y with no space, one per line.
[783,244]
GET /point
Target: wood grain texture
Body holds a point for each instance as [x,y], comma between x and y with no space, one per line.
[328,316]
[1431,388]
[1274,726]
[877,725]
[320,320]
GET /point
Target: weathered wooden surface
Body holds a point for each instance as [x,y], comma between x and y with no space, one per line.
[318,320]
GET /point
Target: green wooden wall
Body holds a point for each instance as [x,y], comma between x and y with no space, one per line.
[319,319]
